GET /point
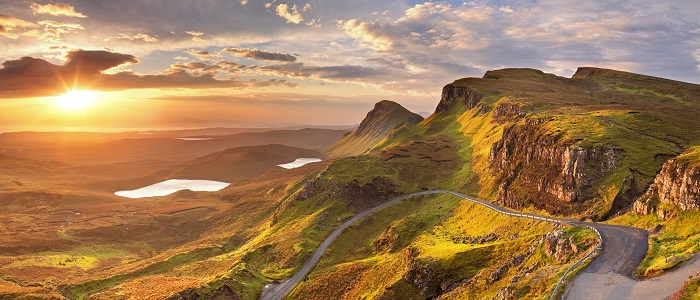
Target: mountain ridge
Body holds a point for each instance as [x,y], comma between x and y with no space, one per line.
[385,117]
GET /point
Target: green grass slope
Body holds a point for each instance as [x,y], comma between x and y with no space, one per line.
[379,122]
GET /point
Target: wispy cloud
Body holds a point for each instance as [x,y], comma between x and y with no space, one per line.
[196,35]
[12,27]
[56,9]
[134,37]
[261,55]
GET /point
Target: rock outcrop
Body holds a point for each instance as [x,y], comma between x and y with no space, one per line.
[677,185]
[453,94]
[358,196]
[508,111]
[222,293]
[534,167]
[557,247]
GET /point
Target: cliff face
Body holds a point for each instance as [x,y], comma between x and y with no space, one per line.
[533,167]
[677,184]
[452,94]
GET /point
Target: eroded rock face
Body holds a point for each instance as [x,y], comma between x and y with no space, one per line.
[678,183]
[452,94]
[508,111]
[222,293]
[533,167]
[557,247]
[425,275]
[359,196]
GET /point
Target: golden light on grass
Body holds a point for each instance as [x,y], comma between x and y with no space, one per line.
[75,100]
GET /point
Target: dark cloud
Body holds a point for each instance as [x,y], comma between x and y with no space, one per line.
[339,73]
[95,62]
[27,77]
[261,55]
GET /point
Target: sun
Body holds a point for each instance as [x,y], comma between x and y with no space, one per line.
[75,100]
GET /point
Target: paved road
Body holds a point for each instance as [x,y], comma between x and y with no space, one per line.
[623,247]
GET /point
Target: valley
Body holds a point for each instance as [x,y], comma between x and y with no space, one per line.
[376,211]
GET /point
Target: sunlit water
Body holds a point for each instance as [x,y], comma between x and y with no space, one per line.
[173,185]
[193,139]
[299,162]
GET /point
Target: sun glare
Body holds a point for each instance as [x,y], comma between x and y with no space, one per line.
[75,100]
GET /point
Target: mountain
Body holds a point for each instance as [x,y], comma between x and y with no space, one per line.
[379,122]
[587,146]
[241,162]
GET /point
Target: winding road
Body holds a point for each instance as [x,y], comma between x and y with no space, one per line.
[609,276]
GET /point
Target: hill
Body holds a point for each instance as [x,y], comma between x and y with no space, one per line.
[103,148]
[379,122]
[241,162]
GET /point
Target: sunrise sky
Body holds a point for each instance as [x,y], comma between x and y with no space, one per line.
[182,63]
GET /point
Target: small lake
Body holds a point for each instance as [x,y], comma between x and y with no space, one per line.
[193,139]
[299,162]
[173,185]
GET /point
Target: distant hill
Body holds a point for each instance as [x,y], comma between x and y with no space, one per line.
[241,162]
[95,148]
[379,122]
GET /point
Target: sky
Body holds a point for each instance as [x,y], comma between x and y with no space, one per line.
[213,63]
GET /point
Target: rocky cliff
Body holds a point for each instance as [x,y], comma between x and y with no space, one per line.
[453,94]
[678,184]
[587,145]
[545,170]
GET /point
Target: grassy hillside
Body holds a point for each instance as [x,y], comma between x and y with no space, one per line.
[240,163]
[379,122]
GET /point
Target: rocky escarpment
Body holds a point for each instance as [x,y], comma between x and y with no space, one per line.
[505,111]
[453,94]
[677,185]
[545,170]
[358,196]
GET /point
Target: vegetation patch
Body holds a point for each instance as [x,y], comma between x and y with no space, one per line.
[676,241]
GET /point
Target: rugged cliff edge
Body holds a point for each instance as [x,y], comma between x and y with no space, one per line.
[676,186]
[588,145]
[547,171]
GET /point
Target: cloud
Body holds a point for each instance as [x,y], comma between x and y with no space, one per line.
[291,14]
[200,54]
[342,73]
[54,30]
[196,35]
[261,55]
[133,37]
[32,77]
[56,9]
[51,31]
[435,42]
[9,26]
